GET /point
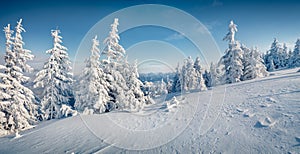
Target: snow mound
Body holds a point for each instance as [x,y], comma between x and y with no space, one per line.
[266,122]
[270,99]
[173,103]
[17,135]
[242,110]
[265,105]
[249,114]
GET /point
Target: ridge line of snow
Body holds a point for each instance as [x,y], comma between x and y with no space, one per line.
[275,77]
[101,150]
[33,131]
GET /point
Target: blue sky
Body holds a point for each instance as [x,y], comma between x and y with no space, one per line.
[258,21]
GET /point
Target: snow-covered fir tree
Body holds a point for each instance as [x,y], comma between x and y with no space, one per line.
[270,65]
[197,65]
[212,76]
[284,57]
[134,94]
[274,54]
[290,54]
[188,75]
[206,77]
[254,66]
[114,53]
[269,62]
[148,88]
[200,82]
[247,63]
[246,55]
[113,50]
[260,68]
[295,56]
[124,85]
[22,55]
[112,65]
[169,84]
[4,104]
[21,108]
[91,92]
[55,79]
[233,58]
[176,86]
[161,88]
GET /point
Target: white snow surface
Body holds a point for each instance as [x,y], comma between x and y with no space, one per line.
[255,116]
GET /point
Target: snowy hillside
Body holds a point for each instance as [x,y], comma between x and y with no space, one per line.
[255,116]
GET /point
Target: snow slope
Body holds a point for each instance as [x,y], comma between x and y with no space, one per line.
[256,116]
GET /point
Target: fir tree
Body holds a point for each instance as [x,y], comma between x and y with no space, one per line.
[274,54]
[295,57]
[55,78]
[124,86]
[169,85]
[254,66]
[207,77]
[270,65]
[284,57]
[233,58]
[212,76]
[134,94]
[4,103]
[113,50]
[22,55]
[176,86]
[21,111]
[162,88]
[188,75]
[260,67]
[200,82]
[112,66]
[92,87]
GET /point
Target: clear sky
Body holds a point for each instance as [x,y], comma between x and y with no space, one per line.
[259,21]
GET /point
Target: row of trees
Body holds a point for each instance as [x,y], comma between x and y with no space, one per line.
[111,83]
[279,57]
[106,83]
[189,76]
[238,64]
[19,106]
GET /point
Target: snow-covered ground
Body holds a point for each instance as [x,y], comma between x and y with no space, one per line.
[256,116]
